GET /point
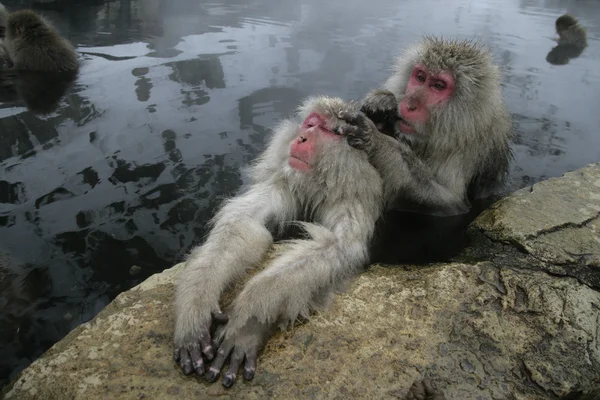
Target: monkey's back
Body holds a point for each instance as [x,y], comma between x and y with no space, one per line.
[50,53]
[35,45]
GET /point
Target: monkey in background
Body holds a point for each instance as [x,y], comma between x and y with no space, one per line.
[309,172]
[3,20]
[5,62]
[444,128]
[572,40]
[33,44]
[570,32]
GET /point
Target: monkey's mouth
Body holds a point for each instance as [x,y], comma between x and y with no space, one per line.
[404,126]
[298,163]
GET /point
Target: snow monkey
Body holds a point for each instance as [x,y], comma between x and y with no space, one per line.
[444,129]
[33,44]
[309,172]
[570,32]
[572,40]
[3,20]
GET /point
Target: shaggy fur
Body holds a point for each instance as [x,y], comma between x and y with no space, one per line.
[339,201]
[462,152]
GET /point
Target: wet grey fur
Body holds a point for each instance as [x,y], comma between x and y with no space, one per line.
[339,199]
[33,44]
[463,151]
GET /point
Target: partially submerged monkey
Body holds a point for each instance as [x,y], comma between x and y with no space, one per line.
[572,40]
[309,172]
[570,32]
[33,44]
[444,128]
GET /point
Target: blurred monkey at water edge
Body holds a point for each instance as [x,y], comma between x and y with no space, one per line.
[572,40]
[31,43]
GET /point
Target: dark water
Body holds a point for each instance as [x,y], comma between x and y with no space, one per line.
[175,96]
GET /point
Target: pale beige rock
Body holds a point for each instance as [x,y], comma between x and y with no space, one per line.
[504,328]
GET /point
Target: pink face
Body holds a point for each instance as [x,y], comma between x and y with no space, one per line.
[312,134]
[423,91]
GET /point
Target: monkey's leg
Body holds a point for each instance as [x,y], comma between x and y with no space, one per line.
[238,240]
[294,284]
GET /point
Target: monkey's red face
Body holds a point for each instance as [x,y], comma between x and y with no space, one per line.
[423,91]
[313,133]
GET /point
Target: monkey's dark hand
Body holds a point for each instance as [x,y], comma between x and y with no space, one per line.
[240,346]
[190,353]
[381,107]
[424,390]
[357,128]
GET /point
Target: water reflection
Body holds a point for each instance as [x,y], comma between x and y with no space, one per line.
[175,97]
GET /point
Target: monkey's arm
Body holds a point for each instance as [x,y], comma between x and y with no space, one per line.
[404,173]
[238,240]
[298,281]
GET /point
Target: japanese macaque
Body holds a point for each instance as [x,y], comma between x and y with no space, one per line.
[5,62]
[3,20]
[572,40]
[444,128]
[33,44]
[570,32]
[308,172]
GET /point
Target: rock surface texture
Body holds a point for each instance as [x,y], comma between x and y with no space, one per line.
[516,316]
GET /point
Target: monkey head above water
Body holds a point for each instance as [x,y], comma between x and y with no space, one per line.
[33,44]
[444,128]
[309,172]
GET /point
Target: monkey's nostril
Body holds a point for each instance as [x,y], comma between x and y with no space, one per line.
[302,139]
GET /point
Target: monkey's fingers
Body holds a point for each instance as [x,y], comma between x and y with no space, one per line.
[220,317]
[250,365]
[352,117]
[207,346]
[234,366]
[197,360]
[217,364]
[185,361]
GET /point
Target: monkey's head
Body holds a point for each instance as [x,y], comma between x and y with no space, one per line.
[22,21]
[442,86]
[318,147]
[565,22]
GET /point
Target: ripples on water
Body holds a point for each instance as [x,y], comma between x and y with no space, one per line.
[174,97]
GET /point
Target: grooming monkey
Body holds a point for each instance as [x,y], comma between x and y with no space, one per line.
[444,128]
[308,172]
[33,44]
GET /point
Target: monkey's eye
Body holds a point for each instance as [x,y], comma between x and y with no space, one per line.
[421,76]
[439,86]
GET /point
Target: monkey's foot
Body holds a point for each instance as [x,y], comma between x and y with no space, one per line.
[424,390]
[190,353]
[380,106]
[357,128]
[241,346]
